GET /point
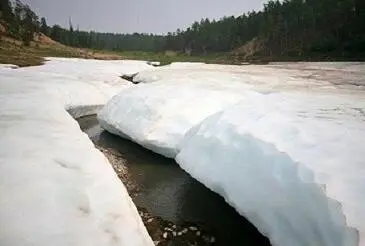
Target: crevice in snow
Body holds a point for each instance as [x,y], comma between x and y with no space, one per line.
[78,111]
[130,77]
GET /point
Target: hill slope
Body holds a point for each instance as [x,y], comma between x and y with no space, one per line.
[13,51]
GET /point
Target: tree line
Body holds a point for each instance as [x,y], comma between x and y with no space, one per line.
[22,23]
[104,41]
[283,28]
[289,27]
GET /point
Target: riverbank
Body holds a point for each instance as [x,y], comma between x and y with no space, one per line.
[162,232]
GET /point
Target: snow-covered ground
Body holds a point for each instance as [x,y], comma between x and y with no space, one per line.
[282,143]
[55,187]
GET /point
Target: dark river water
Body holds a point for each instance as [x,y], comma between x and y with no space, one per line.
[167,191]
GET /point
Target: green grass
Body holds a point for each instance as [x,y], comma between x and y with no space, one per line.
[12,54]
[30,56]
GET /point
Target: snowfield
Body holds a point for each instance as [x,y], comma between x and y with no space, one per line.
[282,143]
[55,187]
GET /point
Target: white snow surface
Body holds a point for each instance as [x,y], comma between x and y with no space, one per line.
[56,188]
[158,115]
[154,63]
[282,143]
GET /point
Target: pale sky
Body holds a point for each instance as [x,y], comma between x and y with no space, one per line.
[128,16]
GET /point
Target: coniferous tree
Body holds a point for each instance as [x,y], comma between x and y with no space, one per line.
[44,27]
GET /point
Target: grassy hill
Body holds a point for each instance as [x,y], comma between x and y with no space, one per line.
[13,51]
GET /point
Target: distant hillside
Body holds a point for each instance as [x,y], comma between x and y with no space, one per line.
[283,30]
[14,51]
[23,43]
[250,50]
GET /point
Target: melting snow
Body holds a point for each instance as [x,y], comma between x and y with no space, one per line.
[56,188]
[283,143]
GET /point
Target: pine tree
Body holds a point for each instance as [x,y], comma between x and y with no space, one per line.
[44,27]
[30,25]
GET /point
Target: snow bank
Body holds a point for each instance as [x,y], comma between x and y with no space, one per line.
[286,150]
[158,115]
[56,188]
[269,156]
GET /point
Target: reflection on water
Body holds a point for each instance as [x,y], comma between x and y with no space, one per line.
[169,192]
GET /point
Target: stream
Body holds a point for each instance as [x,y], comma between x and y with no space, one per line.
[170,196]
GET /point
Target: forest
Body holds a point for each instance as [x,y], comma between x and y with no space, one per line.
[289,28]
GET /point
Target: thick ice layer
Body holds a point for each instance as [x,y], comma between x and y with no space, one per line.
[289,154]
[269,156]
[55,187]
[158,115]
